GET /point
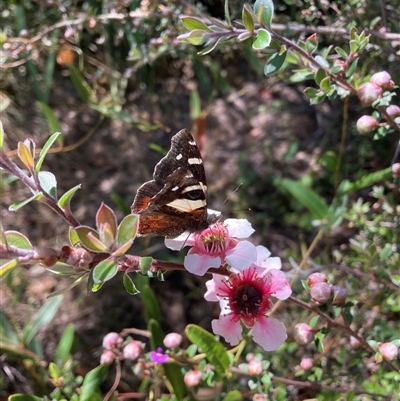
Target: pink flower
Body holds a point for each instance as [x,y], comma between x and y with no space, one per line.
[112,340]
[245,297]
[192,378]
[217,245]
[158,356]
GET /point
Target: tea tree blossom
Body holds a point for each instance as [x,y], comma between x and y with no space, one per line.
[216,246]
[245,297]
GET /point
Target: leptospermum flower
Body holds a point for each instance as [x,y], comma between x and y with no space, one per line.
[245,297]
[217,245]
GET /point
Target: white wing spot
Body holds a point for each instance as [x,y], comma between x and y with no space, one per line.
[179,157]
[193,143]
[174,188]
[193,188]
[195,160]
[185,205]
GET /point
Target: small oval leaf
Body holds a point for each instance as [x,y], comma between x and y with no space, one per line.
[262,40]
[105,271]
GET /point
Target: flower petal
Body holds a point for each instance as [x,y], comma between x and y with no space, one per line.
[242,256]
[228,328]
[239,228]
[199,264]
[262,254]
[213,288]
[272,263]
[270,333]
[280,288]
[176,244]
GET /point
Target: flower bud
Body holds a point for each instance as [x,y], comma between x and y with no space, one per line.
[340,295]
[107,358]
[393,111]
[354,342]
[368,93]
[396,170]
[255,367]
[112,340]
[382,79]
[303,333]
[316,278]
[306,363]
[321,292]
[366,124]
[133,350]
[389,351]
[172,340]
[341,63]
[260,397]
[192,378]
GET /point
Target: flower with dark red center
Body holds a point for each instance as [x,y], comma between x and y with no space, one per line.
[217,245]
[245,297]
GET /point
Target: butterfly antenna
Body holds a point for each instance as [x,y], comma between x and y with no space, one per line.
[237,189]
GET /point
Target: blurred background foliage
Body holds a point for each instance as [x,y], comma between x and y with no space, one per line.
[115,80]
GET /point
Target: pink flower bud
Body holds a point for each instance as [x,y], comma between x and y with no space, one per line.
[368,93]
[192,378]
[172,340]
[341,63]
[340,295]
[306,363]
[255,367]
[393,111]
[321,292]
[303,333]
[366,124]
[112,340]
[389,351]
[396,170]
[260,397]
[107,358]
[133,350]
[316,278]
[382,79]
[354,342]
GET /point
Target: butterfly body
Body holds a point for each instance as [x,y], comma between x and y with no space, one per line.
[175,200]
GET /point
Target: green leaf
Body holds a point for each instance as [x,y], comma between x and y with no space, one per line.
[24,397]
[16,206]
[150,303]
[65,344]
[79,83]
[318,99]
[48,182]
[210,48]
[192,23]
[262,40]
[274,63]
[106,215]
[195,37]
[7,267]
[89,238]
[226,12]
[264,10]
[52,120]
[7,332]
[320,75]
[325,84]
[65,200]
[234,395]
[17,239]
[311,92]
[213,349]
[45,149]
[341,52]
[145,264]
[307,197]
[301,76]
[90,390]
[45,314]
[105,271]
[172,370]
[127,229]
[367,180]
[194,104]
[1,135]
[129,285]
[248,17]
[25,156]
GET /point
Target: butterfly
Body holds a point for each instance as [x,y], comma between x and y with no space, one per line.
[175,200]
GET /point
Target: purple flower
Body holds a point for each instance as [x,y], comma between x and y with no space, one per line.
[158,356]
